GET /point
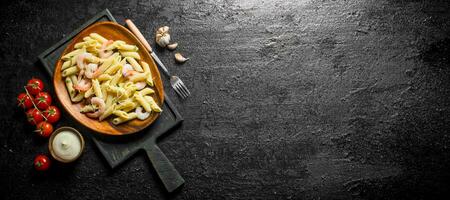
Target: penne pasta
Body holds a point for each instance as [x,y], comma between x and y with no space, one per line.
[93,49]
[127,47]
[97,89]
[114,45]
[98,37]
[117,91]
[119,120]
[69,71]
[89,93]
[138,77]
[87,108]
[126,104]
[130,88]
[73,60]
[111,47]
[107,112]
[103,89]
[79,45]
[120,91]
[153,104]
[109,101]
[74,79]
[130,108]
[77,98]
[146,91]
[93,59]
[116,78]
[135,104]
[118,66]
[69,86]
[66,65]
[135,64]
[120,113]
[141,100]
[146,68]
[73,54]
[104,77]
[107,63]
[87,38]
[132,54]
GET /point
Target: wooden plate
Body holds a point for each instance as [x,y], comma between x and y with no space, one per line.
[111,31]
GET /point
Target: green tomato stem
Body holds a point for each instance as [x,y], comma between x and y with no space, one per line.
[40,112]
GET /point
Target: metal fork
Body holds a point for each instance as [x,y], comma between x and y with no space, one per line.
[182,89]
[175,82]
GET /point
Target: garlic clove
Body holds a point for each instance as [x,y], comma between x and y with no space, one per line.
[164,40]
[163,29]
[179,58]
[162,36]
[172,46]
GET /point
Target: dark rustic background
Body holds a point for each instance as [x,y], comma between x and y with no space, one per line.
[297,99]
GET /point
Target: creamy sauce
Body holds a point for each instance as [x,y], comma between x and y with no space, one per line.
[66,145]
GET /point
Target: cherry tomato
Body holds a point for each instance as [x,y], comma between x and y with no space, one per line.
[34,116]
[24,101]
[52,114]
[44,129]
[43,100]
[41,162]
[34,86]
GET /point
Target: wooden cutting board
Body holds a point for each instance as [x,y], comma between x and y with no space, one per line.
[117,149]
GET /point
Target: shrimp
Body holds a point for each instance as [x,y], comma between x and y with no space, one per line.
[80,75]
[141,115]
[83,85]
[100,104]
[127,70]
[140,85]
[130,73]
[96,73]
[103,53]
[91,68]
[81,65]
[81,58]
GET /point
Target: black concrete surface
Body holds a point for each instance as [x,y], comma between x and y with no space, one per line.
[296,99]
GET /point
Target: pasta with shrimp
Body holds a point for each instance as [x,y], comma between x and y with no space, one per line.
[111,78]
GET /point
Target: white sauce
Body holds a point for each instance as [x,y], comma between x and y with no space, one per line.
[66,145]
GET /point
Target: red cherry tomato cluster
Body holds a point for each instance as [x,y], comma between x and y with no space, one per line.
[39,106]
[41,113]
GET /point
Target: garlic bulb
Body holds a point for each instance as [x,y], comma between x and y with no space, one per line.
[172,46]
[163,36]
[179,58]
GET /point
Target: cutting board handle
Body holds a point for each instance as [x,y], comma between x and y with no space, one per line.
[164,168]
